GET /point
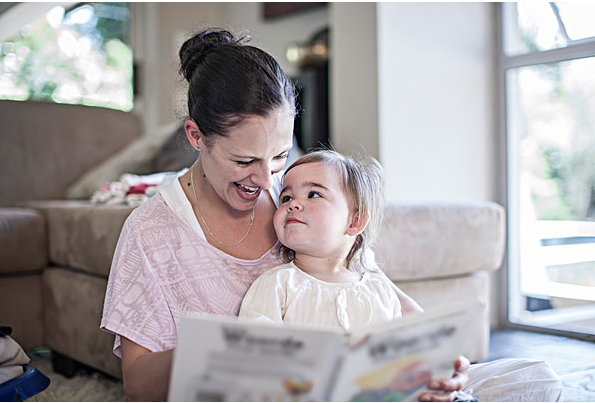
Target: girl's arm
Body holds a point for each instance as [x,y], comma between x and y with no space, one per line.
[145,374]
[408,304]
[443,389]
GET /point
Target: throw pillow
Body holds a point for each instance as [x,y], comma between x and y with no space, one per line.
[138,158]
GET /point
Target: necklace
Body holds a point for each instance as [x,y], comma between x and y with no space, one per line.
[205,223]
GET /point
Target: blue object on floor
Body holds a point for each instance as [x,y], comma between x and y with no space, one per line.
[23,386]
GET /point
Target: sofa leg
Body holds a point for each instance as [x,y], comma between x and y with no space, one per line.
[65,366]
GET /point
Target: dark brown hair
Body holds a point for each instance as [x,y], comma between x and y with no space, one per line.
[229,81]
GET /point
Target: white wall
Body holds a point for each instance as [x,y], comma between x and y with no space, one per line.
[276,34]
[353,78]
[174,22]
[436,110]
[437,133]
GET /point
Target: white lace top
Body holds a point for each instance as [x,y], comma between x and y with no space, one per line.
[286,294]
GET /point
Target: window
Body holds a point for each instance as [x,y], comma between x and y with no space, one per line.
[547,62]
[76,56]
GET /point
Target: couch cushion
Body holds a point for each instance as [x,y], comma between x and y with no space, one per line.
[21,308]
[470,287]
[136,158]
[441,239]
[73,304]
[45,146]
[22,241]
[83,235]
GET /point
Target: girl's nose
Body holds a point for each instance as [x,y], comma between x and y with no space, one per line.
[294,206]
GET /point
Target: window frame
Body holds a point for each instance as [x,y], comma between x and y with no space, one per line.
[577,49]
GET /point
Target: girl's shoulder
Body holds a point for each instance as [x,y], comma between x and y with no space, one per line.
[377,278]
[283,271]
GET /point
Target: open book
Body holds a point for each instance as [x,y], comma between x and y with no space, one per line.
[226,359]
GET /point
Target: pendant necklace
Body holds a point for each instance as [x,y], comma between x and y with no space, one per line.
[229,245]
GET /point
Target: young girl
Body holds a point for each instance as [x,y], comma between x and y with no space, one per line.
[329,213]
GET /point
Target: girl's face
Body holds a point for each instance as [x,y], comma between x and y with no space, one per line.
[314,213]
[238,167]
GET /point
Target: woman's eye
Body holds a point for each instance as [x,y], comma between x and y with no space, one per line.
[313,195]
[282,156]
[243,163]
[285,199]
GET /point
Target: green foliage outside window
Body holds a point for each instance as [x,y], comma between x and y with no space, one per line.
[563,131]
[558,101]
[79,56]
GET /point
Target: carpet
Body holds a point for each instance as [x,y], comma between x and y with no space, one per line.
[572,359]
[84,386]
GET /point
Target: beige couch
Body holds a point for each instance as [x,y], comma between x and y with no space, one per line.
[442,252]
[47,299]
[55,255]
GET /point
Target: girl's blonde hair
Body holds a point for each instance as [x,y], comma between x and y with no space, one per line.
[363,182]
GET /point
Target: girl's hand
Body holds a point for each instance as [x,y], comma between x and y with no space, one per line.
[448,387]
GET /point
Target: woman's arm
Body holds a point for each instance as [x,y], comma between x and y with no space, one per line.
[145,374]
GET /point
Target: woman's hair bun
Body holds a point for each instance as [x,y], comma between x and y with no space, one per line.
[194,50]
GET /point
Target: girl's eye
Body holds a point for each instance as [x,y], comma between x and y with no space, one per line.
[313,195]
[244,163]
[282,156]
[285,199]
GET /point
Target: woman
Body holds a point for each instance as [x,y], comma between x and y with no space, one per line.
[217,215]
[200,242]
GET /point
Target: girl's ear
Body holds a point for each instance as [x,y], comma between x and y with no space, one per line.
[358,223]
[194,135]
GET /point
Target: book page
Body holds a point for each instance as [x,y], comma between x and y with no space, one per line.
[396,361]
[223,359]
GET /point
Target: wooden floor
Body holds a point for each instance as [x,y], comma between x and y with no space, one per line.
[572,359]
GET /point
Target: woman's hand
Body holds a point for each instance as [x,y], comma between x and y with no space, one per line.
[446,388]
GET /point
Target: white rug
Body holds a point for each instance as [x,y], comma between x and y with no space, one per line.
[579,386]
[82,387]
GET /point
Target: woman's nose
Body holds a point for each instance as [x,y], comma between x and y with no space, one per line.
[264,176]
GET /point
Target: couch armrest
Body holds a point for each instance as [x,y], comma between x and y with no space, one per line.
[81,234]
[23,241]
[437,240]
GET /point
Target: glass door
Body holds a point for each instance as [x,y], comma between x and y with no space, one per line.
[548,68]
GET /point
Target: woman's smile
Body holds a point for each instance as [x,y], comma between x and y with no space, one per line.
[247,189]
[248,192]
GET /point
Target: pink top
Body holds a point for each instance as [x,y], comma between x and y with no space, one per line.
[161,267]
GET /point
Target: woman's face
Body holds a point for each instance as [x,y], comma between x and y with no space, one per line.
[240,166]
